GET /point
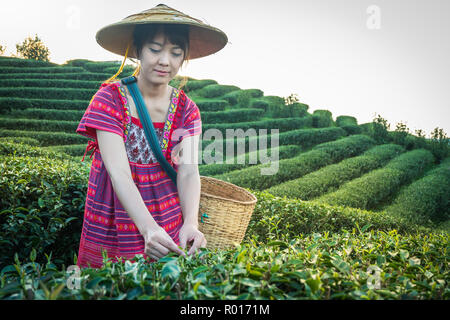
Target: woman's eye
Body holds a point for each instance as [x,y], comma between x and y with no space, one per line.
[156,51]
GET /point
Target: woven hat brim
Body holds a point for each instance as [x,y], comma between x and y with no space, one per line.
[203,40]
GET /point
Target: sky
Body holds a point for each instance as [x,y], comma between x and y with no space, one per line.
[352,57]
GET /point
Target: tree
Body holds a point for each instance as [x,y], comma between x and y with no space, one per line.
[293,97]
[33,49]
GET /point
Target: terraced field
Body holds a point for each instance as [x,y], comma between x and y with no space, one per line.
[333,176]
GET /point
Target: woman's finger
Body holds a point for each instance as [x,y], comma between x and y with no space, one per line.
[197,241]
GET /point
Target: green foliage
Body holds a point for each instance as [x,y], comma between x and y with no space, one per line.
[322,119]
[321,155]
[243,99]
[59,83]
[426,200]
[275,107]
[370,189]
[284,125]
[211,105]
[10,148]
[293,249]
[243,161]
[302,137]
[351,265]
[24,63]
[352,129]
[39,125]
[7,105]
[333,176]
[342,121]
[440,144]
[49,93]
[42,200]
[82,76]
[193,84]
[46,114]
[280,216]
[232,116]
[259,103]
[377,129]
[51,70]
[17,140]
[216,90]
[46,138]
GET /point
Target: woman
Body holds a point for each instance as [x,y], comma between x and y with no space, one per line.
[132,206]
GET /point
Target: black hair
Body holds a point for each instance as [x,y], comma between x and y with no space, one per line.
[177,34]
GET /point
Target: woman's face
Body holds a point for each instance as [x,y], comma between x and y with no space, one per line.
[160,60]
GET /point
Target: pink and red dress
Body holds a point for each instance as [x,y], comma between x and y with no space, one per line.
[106,224]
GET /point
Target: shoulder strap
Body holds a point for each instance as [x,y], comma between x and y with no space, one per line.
[147,124]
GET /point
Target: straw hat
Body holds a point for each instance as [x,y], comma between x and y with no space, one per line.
[204,39]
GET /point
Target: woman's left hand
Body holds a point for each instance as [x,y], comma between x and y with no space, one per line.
[190,233]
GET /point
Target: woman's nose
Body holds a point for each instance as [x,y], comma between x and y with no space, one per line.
[164,58]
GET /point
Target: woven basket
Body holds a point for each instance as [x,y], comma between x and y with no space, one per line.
[224,213]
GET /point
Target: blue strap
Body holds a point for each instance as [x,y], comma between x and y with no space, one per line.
[147,124]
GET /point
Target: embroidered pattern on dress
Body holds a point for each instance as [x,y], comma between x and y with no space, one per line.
[138,149]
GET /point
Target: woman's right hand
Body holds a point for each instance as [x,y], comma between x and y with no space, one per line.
[158,244]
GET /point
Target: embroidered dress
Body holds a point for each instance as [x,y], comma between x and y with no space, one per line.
[106,224]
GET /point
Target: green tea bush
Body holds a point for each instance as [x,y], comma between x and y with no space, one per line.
[211,105]
[39,125]
[322,119]
[288,169]
[23,63]
[352,129]
[369,190]
[243,161]
[331,177]
[301,137]
[8,148]
[426,200]
[49,83]
[283,125]
[97,66]
[46,138]
[232,116]
[351,265]
[260,104]
[47,114]
[275,217]
[73,150]
[216,90]
[88,76]
[11,70]
[192,85]
[12,104]
[77,63]
[49,93]
[41,201]
[19,140]
[242,97]
[346,121]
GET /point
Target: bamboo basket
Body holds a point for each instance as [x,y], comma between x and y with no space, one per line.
[224,212]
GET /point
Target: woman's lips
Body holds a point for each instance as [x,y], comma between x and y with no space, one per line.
[162,73]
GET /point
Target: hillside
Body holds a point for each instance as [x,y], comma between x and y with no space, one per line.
[333,176]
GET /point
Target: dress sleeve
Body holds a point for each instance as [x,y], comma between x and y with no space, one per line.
[192,122]
[104,112]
